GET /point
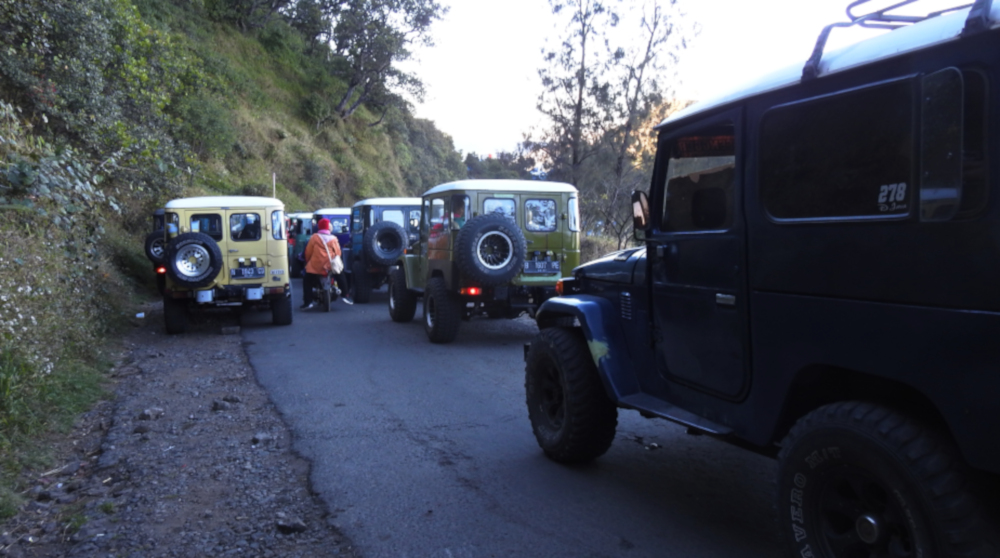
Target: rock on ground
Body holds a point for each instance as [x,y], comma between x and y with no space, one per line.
[188,458]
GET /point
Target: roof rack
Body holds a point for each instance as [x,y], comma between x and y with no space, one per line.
[978,20]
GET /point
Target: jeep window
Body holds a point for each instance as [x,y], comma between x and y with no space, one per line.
[338,224]
[505,207]
[394,215]
[975,188]
[278,224]
[700,181]
[244,226]
[414,220]
[439,219]
[207,224]
[540,215]
[848,155]
[573,208]
[460,209]
[357,223]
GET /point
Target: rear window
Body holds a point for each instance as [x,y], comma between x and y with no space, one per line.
[540,215]
[207,224]
[500,206]
[244,226]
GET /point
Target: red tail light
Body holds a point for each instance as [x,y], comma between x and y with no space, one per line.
[161,270]
[559,287]
[472,291]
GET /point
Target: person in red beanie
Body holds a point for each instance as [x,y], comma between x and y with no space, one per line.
[322,248]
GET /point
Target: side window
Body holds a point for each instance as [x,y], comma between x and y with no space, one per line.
[357,223]
[502,206]
[460,210]
[540,215]
[394,215]
[244,226]
[208,224]
[278,224]
[574,214]
[848,155]
[338,224]
[701,174]
[425,224]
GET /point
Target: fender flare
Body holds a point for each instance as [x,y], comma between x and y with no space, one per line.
[597,319]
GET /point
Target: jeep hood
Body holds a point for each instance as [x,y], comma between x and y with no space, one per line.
[616,267]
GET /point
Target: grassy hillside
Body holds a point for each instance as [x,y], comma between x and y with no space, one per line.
[107,110]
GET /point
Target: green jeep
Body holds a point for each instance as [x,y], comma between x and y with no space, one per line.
[486,247]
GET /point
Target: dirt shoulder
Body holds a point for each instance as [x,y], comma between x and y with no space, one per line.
[189,458]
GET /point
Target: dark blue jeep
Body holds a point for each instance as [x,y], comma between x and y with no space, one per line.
[381,230]
[819,280]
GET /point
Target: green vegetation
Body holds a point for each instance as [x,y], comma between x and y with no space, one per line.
[109,108]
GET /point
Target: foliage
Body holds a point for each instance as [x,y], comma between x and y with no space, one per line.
[245,14]
[601,102]
[513,165]
[429,157]
[373,36]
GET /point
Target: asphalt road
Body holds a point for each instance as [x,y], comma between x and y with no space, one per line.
[425,450]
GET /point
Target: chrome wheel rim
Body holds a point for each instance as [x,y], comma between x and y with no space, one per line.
[192,261]
[495,250]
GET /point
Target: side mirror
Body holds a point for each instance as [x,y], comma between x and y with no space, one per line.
[640,214]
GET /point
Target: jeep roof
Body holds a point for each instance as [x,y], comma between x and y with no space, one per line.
[933,31]
[332,211]
[503,185]
[223,201]
[388,201]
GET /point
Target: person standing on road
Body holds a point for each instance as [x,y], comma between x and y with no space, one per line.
[321,249]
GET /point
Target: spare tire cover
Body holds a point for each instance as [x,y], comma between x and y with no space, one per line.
[490,250]
[384,242]
[193,260]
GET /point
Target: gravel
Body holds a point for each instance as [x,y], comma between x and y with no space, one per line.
[188,458]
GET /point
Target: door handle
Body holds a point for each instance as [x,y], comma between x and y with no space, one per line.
[725,299]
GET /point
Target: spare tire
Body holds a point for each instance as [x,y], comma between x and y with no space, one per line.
[193,260]
[156,246]
[384,243]
[490,250]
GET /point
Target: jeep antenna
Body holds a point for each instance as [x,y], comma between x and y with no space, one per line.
[274,185]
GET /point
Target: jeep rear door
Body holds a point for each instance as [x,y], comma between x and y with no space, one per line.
[696,258]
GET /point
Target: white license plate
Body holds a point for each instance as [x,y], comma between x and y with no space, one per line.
[536,267]
[247,273]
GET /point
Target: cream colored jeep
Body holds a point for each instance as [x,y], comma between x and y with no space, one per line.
[225,251]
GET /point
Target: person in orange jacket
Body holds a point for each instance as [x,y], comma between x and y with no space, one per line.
[322,247]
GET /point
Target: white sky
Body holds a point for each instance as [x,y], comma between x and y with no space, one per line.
[482,74]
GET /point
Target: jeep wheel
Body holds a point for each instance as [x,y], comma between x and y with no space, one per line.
[156,246]
[571,415]
[193,260]
[175,315]
[858,479]
[361,283]
[281,310]
[490,250]
[442,312]
[402,301]
[384,242]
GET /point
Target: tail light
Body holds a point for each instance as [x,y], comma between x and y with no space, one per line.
[559,287]
[161,270]
[471,291]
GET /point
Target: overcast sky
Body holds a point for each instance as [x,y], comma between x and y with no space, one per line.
[482,74]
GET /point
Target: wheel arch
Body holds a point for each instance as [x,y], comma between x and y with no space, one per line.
[595,318]
[818,385]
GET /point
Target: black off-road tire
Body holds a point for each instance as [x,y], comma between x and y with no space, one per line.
[572,417]
[281,310]
[442,312]
[361,283]
[490,250]
[859,479]
[156,246]
[402,301]
[175,315]
[193,260]
[384,243]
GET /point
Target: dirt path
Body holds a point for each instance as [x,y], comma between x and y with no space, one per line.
[189,458]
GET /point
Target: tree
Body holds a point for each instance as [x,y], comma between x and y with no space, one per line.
[245,14]
[600,90]
[373,36]
[315,19]
[572,81]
